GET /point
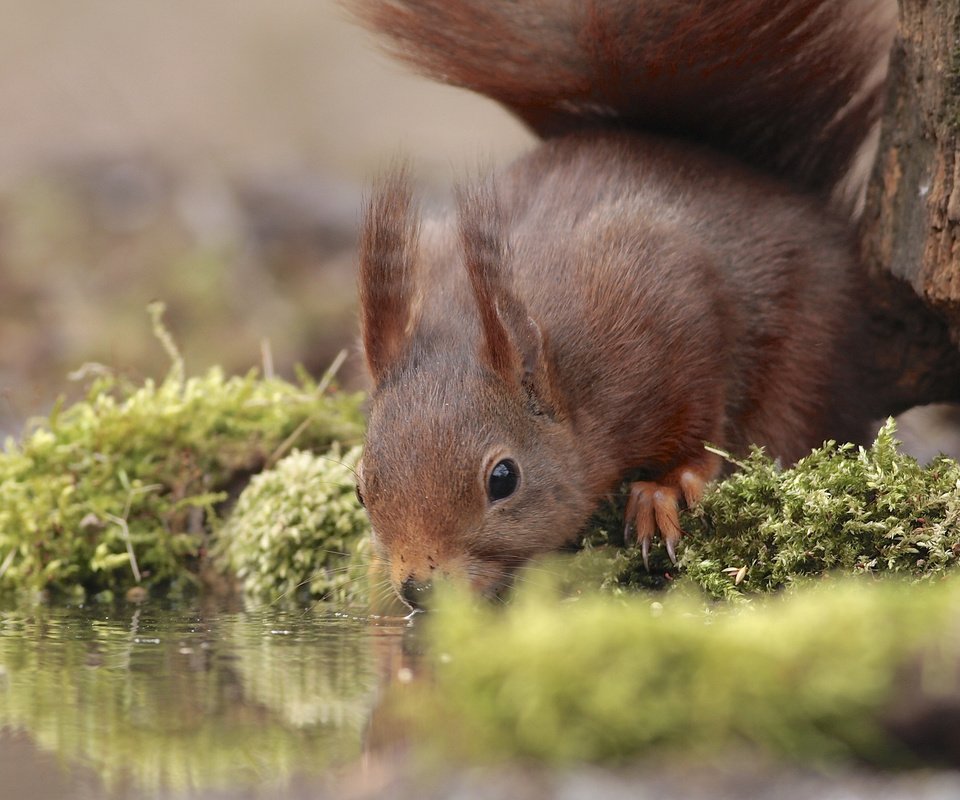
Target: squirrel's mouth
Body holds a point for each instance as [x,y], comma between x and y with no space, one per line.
[491,579]
[497,591]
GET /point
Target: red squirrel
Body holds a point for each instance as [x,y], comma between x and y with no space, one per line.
[671,265]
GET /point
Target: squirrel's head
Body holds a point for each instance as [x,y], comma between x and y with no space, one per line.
[471,463]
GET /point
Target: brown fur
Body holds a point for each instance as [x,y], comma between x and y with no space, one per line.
[388,247]
[613,299]
[789,86]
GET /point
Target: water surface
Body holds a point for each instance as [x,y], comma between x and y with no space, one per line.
[160,700]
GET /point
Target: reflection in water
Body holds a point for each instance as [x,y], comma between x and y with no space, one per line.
[171,699]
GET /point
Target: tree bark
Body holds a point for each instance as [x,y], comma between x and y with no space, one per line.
[910,229]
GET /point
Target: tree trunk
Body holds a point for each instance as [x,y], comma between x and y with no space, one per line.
[910,230]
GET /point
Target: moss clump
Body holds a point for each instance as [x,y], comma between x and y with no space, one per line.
[818,676]
[840,509]
[124,488]
[298,533]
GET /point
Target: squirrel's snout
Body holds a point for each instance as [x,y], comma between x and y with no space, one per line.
[486,580]
[416,594]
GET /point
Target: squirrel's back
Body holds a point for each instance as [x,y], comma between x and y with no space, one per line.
[657,271]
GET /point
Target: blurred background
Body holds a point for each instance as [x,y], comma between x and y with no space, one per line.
[211,154]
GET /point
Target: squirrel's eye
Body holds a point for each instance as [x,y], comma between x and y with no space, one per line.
[504,479]
[360,496]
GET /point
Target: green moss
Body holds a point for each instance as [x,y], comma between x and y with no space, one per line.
[863,538]
[811,677]
[841,509]
[124,488]
[298,532]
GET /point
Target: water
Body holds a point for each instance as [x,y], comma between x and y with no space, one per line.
[159,701]
[166,702]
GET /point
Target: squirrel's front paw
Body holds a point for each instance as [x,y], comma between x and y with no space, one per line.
[655,505]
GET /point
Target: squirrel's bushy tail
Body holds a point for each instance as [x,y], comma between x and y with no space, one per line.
[794,87]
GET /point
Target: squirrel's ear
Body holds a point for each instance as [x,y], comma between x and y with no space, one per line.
[388,253]
[513,344]
[538,377]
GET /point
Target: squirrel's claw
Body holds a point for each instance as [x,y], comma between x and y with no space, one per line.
[653,507]
[671,551]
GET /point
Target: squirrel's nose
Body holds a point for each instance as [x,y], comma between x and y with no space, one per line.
[416,594]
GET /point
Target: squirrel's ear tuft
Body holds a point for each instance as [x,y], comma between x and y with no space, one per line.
[388,254]
[484,252]
[513,345]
